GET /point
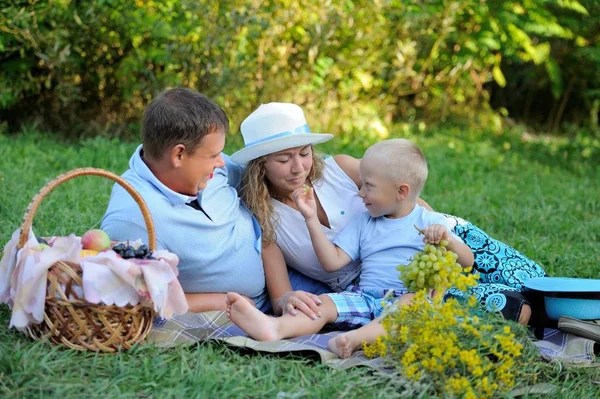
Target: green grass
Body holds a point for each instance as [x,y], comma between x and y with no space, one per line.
[544,204]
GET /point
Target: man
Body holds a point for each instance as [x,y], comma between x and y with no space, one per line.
[190,189]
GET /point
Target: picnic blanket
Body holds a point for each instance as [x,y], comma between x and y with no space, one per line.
[570,348]
[190,328]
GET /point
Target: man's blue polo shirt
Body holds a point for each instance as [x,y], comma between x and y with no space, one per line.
[217,253]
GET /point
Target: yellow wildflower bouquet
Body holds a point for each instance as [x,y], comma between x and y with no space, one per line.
[461,350]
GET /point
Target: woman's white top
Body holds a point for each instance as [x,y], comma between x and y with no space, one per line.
[338,195]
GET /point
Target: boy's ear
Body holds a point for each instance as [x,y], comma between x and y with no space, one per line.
[176,155]
[402,192]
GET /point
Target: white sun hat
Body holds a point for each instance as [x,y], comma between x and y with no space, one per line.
[274,127]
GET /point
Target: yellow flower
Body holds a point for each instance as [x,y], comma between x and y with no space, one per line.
[444,343]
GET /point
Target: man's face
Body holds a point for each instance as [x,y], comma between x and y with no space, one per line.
[197,167]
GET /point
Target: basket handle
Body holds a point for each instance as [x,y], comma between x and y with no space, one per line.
[37,200]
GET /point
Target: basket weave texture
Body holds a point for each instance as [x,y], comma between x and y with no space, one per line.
[69,319]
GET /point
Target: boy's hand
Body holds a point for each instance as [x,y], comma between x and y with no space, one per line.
[305,201]
[435,233]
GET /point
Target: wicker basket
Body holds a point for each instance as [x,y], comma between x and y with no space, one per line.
[68,319]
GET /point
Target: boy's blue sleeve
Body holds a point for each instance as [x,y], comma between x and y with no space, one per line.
[348,240]
[234,172]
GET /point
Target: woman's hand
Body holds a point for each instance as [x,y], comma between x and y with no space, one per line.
[305,302]
[305,201]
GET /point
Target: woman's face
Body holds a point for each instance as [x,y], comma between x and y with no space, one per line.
[287,170]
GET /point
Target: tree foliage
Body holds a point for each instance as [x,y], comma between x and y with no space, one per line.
[356,66]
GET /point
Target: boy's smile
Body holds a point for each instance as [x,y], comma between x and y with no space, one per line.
[378,192]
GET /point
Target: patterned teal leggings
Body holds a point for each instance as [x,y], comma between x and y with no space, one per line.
[503,271]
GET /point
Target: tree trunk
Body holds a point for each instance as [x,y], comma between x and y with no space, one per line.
[563,104]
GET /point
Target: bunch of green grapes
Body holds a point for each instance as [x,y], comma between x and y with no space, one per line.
[435,267]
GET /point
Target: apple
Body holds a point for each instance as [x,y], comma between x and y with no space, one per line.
[95,240]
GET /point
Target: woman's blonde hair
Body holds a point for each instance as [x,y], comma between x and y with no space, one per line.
[256,192]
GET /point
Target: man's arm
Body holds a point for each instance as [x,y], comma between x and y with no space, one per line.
[209,301]
[125,230]
[234,172]
[205,302]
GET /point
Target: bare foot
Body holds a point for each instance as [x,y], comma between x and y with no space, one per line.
[228,306]
[343,344]
[254,322]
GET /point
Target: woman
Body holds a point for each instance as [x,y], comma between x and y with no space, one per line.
[279,158]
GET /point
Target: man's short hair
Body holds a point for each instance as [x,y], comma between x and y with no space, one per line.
[180,116]
[403,161]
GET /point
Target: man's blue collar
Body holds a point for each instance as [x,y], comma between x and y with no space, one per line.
[137,164]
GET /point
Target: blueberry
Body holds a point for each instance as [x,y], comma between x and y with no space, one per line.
[143,249]
[128,254]
[140,254]
[119,248]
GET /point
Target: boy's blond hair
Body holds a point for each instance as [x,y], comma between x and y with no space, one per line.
[403,163]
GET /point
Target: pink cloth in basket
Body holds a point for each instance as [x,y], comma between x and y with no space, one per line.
[107,278]
[111,280]
[23,275]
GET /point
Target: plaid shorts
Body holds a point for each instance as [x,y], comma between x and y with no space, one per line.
[357,307]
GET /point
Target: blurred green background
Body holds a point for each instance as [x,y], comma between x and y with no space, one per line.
[503,96]
[358,68]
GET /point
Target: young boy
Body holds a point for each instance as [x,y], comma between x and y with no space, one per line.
[393,173]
